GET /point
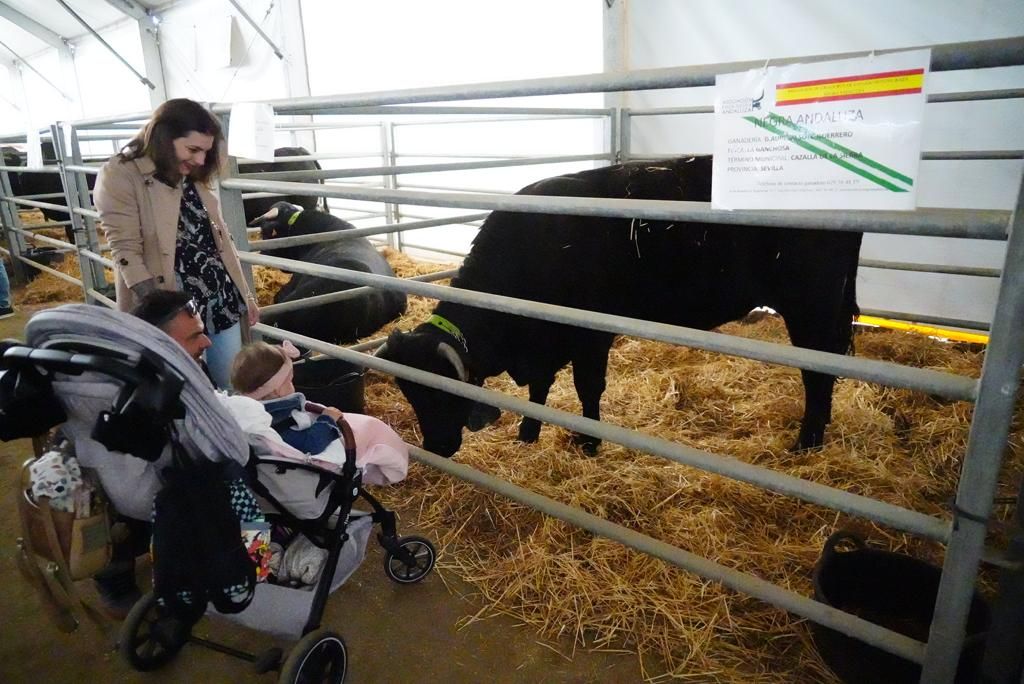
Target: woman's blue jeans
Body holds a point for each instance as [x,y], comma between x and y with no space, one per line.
[226,344]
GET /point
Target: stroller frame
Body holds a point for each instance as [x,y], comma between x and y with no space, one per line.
[150,394]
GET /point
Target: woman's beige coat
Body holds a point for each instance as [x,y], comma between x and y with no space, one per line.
[140,219]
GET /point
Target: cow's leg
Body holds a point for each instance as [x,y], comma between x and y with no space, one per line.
[588,375]
[529,428]
[818,332]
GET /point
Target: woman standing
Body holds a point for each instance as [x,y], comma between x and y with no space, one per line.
[165,229]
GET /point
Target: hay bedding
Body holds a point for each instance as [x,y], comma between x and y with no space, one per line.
[899,446]
[45,288]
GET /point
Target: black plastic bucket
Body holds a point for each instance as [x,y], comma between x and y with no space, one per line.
[889,589]
[332,382]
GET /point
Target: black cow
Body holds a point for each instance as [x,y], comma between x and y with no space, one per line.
[693,274]
[345,320]
[258,206]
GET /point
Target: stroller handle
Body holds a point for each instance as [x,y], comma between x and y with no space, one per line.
[350,446]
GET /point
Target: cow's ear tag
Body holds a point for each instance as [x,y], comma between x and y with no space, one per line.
[294,217]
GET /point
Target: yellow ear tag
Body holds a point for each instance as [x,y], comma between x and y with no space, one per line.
[294,217]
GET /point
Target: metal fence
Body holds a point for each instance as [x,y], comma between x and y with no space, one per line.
[993,394]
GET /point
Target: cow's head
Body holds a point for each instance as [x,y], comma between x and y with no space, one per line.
[441,415]
[278,222]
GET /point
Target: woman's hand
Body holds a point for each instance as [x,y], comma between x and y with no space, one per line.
[254,311]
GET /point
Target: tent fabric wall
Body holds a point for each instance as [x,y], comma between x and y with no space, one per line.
[212,54]
[659,34]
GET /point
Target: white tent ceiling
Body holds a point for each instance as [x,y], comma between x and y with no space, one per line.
[28,27]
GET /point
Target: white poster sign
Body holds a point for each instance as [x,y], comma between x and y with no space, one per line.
[844,134]
[251,131]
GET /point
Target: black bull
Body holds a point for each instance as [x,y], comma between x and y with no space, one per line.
[692,274]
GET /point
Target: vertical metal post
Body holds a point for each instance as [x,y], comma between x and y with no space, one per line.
[389,158]
[625,128]
[15,241]
[71,200]
[233,210]
[986,443]
[86,238]
[614,154]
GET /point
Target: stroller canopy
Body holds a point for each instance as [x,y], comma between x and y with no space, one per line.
[206,431]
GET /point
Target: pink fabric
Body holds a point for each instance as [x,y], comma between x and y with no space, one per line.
[283,374]
[380,452]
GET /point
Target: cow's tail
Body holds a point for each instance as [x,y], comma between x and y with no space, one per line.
[850,310]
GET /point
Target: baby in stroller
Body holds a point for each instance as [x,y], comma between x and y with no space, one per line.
[280,422]
[137,408]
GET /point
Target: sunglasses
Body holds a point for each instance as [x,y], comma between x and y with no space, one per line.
[190,307]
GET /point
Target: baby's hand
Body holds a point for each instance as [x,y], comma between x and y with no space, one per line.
[333,413]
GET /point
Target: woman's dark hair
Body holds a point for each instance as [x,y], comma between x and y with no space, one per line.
[176,119]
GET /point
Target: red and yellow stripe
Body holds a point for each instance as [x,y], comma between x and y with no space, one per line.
[882,84]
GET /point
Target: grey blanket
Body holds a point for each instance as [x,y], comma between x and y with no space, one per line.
[207,430]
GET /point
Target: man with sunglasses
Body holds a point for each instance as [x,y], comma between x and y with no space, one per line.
[177,315]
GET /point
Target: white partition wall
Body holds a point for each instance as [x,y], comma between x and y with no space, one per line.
[664,34]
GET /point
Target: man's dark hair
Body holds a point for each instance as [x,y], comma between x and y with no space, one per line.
[160,306]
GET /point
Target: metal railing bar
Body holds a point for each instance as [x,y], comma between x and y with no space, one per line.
[310,157]
[445,122]
[438,250]
[348,233]
[924,318]
[43,195]
[881,372]
[965,96]
[33,169]
[61,244]
[87,212]
[44,226]
[83,169]
[944,57]
[967,223]
[98,258]
[450,155]
[561,112]
[980,271]
[977,95]
[450,188]
[119,121]
[962,155]
[420,168]
[103,299]
[272,311]
[727,466]
[34,204]
[52,271]
[890,641]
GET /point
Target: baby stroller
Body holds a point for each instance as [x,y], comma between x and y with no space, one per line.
[129,399]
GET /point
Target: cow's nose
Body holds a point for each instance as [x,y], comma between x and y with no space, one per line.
[446,448]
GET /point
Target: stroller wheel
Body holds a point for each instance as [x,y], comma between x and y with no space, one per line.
[319,657]
[149,640]
[411,561]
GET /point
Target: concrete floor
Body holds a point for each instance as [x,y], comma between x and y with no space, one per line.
[417,633]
